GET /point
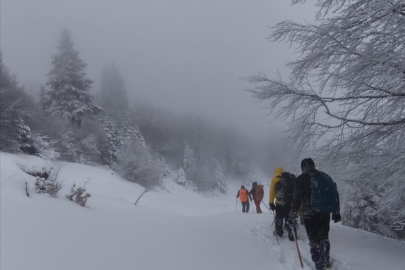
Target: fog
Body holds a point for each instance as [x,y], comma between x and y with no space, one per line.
[180,55]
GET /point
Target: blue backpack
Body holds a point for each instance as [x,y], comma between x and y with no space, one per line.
[324,194]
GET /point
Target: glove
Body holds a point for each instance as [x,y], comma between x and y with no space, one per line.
[272,206]
[336,217]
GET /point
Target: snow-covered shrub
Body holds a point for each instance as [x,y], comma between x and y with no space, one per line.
[138,164]
[78,195]
[48,182]
[50,186]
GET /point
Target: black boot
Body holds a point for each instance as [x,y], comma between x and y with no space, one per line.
[325,249]
[316,254]
[291,235]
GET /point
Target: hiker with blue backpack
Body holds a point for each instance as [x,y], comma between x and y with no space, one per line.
[317,193]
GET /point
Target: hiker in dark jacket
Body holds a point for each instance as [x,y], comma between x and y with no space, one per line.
[257,193]
[315,211]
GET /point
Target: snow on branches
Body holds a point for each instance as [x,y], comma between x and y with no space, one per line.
[346,95]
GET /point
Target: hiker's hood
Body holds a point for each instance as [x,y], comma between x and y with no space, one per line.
[278,171]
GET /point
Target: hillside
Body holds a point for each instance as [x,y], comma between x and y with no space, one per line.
[171,228]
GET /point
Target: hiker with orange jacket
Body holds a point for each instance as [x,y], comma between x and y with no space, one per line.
[244,196]
[257,193]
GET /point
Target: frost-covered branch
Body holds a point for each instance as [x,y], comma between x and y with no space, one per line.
[346,96]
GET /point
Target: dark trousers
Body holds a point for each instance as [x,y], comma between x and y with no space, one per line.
[317,227]
[258,210]
[245,206]
[282,214]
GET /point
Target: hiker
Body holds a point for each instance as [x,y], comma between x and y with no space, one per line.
[318,195]
[244,197]
[257,193]
[281,190]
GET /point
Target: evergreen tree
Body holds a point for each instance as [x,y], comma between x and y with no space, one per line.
[69,94]
[15,136]
[219,177]
[113,96]
[189,160]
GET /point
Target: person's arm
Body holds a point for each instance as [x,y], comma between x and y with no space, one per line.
[237,195]
[272,190]
[338,199]
[248,194]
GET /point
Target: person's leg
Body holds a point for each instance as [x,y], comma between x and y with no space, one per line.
[243,207]
[258,210]
[287,210]
[279,219]
[324,238]
[313,228]
[247,206]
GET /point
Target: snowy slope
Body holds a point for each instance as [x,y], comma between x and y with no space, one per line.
[169,229]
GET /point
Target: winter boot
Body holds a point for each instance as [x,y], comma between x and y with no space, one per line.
[291,235]
[316,254]
[325,250]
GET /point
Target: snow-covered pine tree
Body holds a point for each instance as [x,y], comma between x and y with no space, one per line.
[183,181]
[118,134]
[24,137]
[15,135]
[220,178]
[69,95]
[113,96]
[189,160]
[113,140]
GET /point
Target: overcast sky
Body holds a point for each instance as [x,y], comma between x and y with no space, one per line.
[183,55]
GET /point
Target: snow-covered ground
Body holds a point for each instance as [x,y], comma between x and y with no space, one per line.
[169,229]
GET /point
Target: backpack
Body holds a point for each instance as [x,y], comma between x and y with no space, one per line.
[243,195]
[285,187]
[324,194]
[259,193]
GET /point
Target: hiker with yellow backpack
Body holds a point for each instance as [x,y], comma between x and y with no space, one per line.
[257,193]
[280,200]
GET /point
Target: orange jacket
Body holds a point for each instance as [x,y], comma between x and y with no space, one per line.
[243,195]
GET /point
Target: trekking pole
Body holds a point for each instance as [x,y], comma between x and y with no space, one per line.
[236,205]
[298,248]
[274,220]
[266,206]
